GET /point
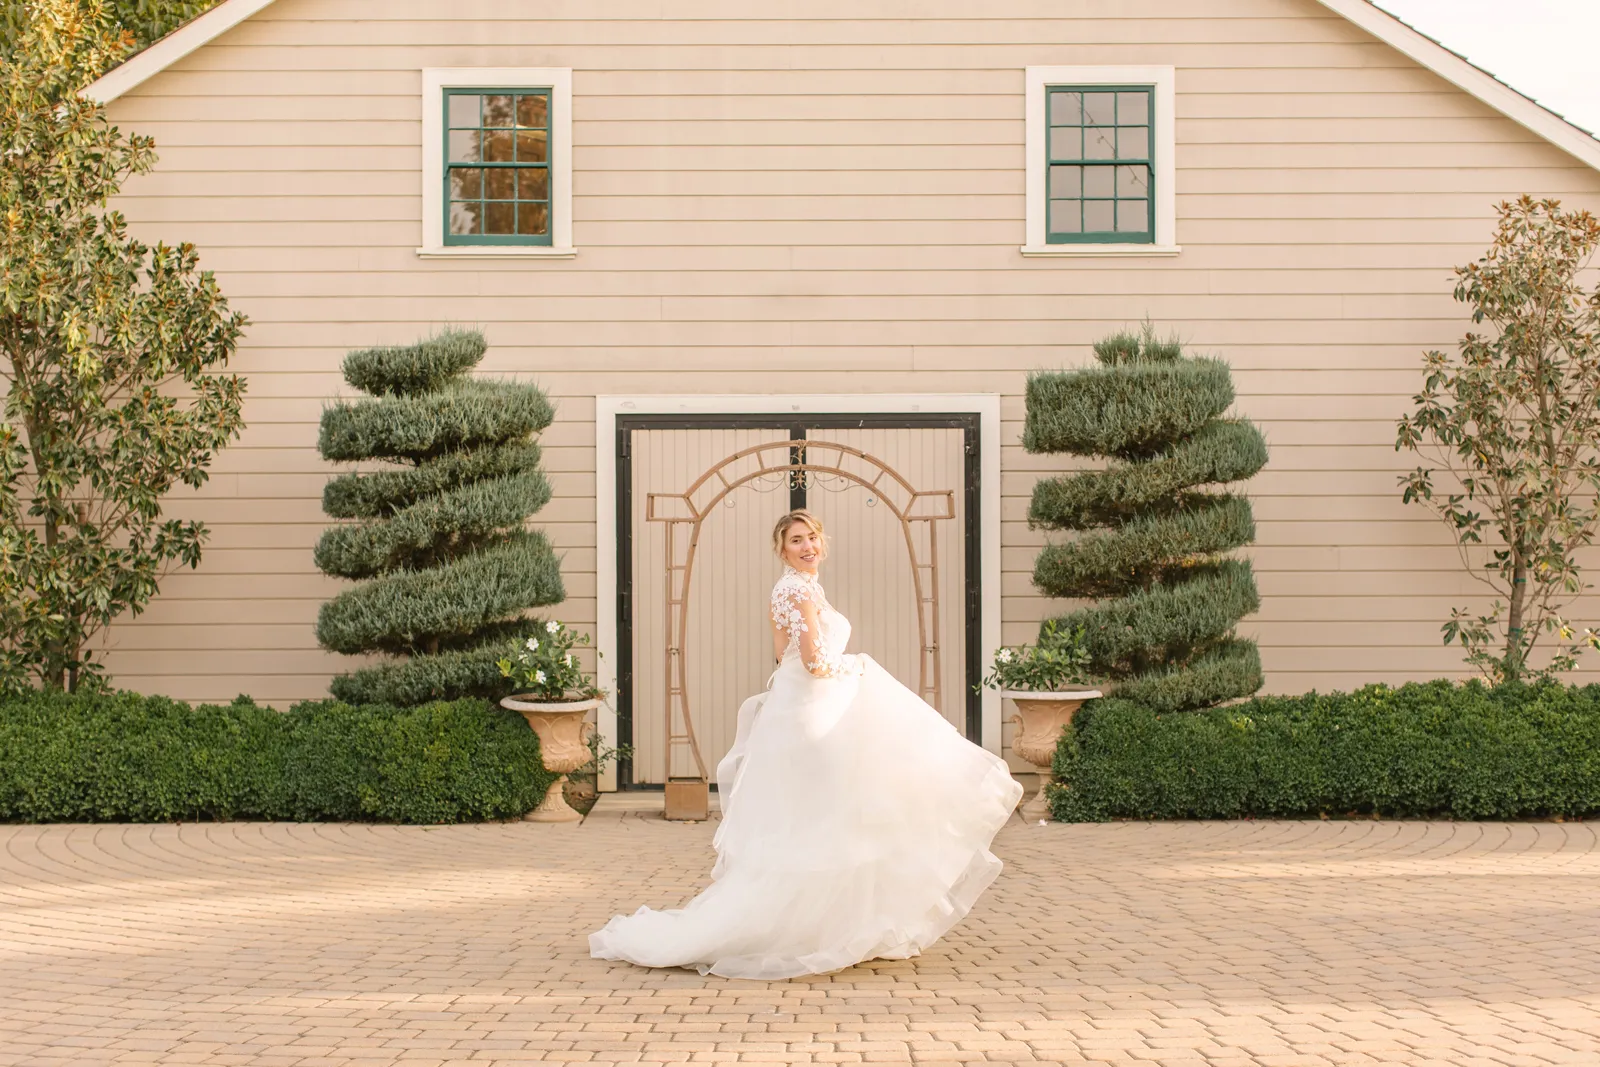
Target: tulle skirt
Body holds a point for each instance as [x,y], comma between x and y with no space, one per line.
[856,825]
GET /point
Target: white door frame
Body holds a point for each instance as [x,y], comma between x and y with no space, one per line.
[985,405]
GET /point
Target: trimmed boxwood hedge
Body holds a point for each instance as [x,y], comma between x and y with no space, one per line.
[121,757]
[1423,750]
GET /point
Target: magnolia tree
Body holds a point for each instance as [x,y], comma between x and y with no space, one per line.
[1509,428]
[108,354]
[144,20]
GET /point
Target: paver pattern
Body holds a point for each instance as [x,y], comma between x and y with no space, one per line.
[1299,944]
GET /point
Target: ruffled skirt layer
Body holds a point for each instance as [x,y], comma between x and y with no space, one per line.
[856,825]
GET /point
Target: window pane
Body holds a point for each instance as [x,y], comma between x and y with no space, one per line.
[1099,181]
[1066,143]
[532,146]
[466,183]
[497,111]
[1066,109]
[1098,216]
[1133,181]
[1099,109]
[533,219]
[497,147]
[1133,109]
[1099,143]
[1133,216]
[1066,216]
[1066,181]
[500,218]
[533,183]
[1133,143]
[500,184]
[466,218]
[463,110]
[463,146]
[533,111]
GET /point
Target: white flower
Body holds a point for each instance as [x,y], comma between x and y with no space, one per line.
[1005,655]
[538,676]
[533,644]
[569,659]
[552,626]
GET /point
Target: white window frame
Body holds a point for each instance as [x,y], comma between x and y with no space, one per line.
[435,80]
[1164,133]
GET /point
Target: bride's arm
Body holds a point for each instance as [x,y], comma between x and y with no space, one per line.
[815,655]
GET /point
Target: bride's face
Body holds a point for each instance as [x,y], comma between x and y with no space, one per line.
[802,548]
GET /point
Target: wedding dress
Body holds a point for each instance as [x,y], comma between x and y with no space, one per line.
[856,821]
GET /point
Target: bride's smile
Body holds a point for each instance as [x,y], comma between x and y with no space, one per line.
[803,549]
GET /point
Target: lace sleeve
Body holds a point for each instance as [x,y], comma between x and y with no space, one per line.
[795,612]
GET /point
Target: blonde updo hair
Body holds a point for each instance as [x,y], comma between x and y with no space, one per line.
[804,518]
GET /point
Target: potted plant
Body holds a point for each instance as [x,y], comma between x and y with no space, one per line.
[1048,683]
[555,696]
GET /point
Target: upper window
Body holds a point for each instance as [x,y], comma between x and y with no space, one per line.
[497,163]
[1099,151]
[497,167]
[1100,173]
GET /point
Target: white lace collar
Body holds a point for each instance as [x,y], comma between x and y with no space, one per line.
[801,576]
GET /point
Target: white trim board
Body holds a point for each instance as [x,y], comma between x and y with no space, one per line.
[1163,134]
[435,80]
[1382,25]
[985,405]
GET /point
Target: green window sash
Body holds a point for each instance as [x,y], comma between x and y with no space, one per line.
[497,167]
[1100,164]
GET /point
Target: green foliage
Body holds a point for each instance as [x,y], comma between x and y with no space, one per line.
[1512,420]
[399,612]
[111,353]
[471,515]
[1148,541]
[1421,751]
[471,671]
[120,757]
[411,369]
[1221,451]
[448,572]
[1148,548]
[144,21]
[363,496]
[1058,663]
[546,667]
[461,415]
[1130,410]
[1167,622]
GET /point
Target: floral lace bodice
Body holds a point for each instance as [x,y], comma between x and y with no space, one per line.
[825,657]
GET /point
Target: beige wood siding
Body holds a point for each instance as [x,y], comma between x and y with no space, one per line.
[829,197]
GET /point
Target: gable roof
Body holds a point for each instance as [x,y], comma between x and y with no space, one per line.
[1424,50]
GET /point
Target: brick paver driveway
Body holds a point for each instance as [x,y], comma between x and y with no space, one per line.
[1299,944]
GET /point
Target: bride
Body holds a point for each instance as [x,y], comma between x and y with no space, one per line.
[856,821]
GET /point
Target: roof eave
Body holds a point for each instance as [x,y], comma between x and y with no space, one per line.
[171,48]
[1469,78]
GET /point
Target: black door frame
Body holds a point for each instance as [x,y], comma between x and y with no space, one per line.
[798,425]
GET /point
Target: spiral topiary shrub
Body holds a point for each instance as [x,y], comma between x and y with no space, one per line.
[447,571]
[1150,538]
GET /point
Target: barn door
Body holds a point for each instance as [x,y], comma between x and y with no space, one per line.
[702,502]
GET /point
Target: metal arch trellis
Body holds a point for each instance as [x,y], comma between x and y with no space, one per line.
[686,512]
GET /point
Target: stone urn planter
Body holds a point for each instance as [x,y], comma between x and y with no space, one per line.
[563,730]
[1040,718]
